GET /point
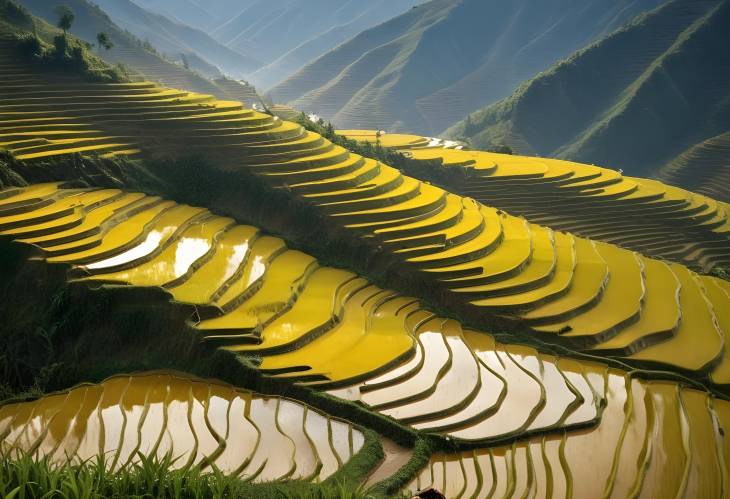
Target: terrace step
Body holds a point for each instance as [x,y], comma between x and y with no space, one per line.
[162,413]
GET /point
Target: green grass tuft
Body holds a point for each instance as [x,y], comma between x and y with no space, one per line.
[25,476]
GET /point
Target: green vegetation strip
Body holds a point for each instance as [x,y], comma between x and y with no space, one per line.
[25,476]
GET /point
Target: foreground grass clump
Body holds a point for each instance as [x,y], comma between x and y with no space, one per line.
[24,476]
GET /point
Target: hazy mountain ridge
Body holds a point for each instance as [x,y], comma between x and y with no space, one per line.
[377,11]
[184,11]
[204,15]
[260,41]
[634,100]
[704,168]
[327,71]
[288,34]
[447,59]
[174,38]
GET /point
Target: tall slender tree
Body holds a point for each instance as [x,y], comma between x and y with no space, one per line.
[65,18]
[103,41]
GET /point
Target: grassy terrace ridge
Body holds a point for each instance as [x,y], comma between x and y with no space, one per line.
[129,56]
[52,49]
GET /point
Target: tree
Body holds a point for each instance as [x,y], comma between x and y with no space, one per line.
[102,39]
[65,18]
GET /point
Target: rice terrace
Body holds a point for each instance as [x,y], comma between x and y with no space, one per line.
[365,249]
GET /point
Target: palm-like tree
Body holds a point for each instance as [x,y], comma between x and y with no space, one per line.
[65,18]
[102,39]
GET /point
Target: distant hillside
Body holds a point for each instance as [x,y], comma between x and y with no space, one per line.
[424,70]
[127,50]
[356,17]
[175,39]
[635,100]
[287,34]
[704,167]
[201,14]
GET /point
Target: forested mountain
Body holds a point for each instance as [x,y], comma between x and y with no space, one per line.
[424,70]
[635,100]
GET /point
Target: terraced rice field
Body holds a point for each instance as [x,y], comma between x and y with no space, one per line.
[258,296]
[644,215]
[704,168]
[240,91]
[80,117]
[335,331]
[574,292]
[655,439]
[29,134]
[311,323]
[332,330]
[45,114]
[195,422]
[465,385]
[152,67]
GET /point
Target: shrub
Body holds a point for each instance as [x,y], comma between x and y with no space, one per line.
[14,13]
[500,148]
[65,18]
[71,55]
[30,46]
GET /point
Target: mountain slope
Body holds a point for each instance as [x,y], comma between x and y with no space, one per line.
[364,16]
[90,20]
[425,69]
[635,100]
[290,33]
[704,167]
[202,14]
[174,38]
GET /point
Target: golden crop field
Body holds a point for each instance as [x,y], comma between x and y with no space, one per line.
[627,455]
[329,329]
[195,421]
[606,373]
[641,214]
[263,297]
